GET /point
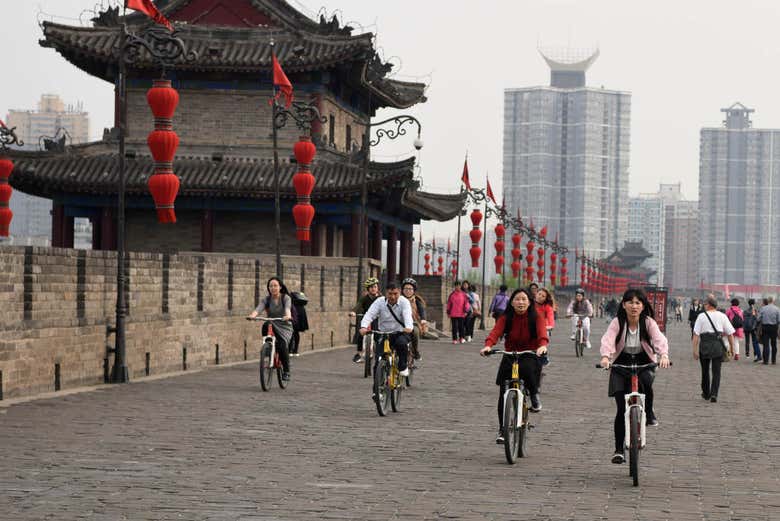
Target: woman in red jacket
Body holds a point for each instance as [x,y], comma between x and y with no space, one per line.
[457,309]
[521,330]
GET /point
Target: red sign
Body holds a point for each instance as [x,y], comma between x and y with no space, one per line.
[657,297]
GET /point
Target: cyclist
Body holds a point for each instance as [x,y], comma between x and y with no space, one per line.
[522,330]
[409,290]
[544,308]
[371,286]
[278,304]
[394,314]
[633,337]
[580,307]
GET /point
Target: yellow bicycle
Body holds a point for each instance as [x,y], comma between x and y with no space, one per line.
[387,380]
[516,406]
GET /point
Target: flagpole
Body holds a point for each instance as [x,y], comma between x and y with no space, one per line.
[457,244]
[484,262]
[419,250]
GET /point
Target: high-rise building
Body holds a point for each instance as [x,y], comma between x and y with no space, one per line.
[31,224]
[647,224]
[51,116]
[566,156]
[681,256]
[739,194]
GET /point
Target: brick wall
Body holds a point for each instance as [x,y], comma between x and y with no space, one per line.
[55,304]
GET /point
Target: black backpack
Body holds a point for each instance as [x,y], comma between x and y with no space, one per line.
[737,321]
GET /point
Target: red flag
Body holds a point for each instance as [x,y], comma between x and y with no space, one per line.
[465,176]
[281,81]
[490,192]
[2,124]
[149,9]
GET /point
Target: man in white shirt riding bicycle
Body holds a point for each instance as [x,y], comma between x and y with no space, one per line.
[394,313]
[580,307]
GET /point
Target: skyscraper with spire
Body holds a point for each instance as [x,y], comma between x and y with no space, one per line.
[566,155]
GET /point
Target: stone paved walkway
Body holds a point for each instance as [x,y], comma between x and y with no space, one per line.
[212,446]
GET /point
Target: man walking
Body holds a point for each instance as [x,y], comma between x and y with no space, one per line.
[769,317]
[751,332]
[708,332]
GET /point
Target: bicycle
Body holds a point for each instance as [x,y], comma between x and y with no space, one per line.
[368,347]
[269,358]
[635,417]
[387,382]
[579,338]
[517,404]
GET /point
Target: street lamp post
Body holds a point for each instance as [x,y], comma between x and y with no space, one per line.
[392,133]
[303,114]
[164,48]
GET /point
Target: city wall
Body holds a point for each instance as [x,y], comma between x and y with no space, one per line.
[185,311]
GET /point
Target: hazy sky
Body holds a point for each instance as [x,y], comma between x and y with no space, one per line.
[682,61]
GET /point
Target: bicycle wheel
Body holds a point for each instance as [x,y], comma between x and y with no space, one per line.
[581,349]
[411,372]
[266,367]
[367,348]
[510,428]
[633,453]
[522,442]
[381,392]
[282,383]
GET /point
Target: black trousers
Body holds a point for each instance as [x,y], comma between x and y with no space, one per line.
[769,336]
[751,340]
[458,327]
[469,328]
[528,371]
[281,348]
[710,387]
[295,342]
[400,342]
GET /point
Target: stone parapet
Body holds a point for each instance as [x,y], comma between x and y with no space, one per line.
[185,311]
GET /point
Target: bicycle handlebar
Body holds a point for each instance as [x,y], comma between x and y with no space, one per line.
[267,319]
[632,366]
[386,333]
[510,353]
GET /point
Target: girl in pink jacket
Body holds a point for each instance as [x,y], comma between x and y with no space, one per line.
[457,309]
[735,311]
[632,337]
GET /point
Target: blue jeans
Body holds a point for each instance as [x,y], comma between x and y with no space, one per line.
[756,347]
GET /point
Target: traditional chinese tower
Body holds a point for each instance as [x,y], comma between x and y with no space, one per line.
[223,121]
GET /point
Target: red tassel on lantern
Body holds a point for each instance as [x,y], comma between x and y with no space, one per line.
[6,167]
[163,142]
[303,182]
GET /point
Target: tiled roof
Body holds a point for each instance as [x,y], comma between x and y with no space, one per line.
[439,207]
[301,44]
[93,169]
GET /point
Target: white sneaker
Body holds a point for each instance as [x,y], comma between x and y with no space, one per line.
[404,373]
[571,337]
[468,339]
[587,344]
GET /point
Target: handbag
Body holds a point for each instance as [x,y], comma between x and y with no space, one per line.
[711,344]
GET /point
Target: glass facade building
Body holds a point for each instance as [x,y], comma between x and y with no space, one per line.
[566,158]
[739,201]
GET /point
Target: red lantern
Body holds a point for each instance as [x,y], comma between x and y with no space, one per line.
[516,255]
[475,252]
[440,271]
[6,167]
[163,142]
[427,263]
[303,182]
[499,262]
[476,234]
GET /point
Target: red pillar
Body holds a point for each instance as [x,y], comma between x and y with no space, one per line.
[392,251]
[207,231]
[354,236]
[376,241]
[107,229]
[57,216]
[405,264]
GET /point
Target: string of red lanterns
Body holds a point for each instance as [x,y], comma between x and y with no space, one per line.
[476,235]
[163,142]
[499,245]
[303,182]
[516,238]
